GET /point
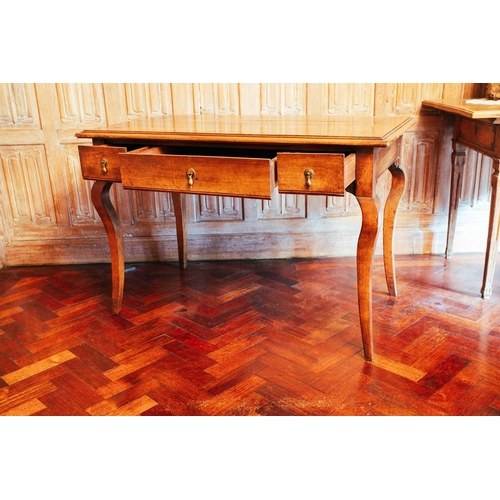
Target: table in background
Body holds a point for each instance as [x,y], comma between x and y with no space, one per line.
[247,156]
[476,126]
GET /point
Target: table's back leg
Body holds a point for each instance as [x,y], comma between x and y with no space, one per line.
[391,207]
[181,227]
[457,173]
[109,217]
[365,252]
[493,233]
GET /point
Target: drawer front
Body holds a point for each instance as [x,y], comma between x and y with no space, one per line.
[100,162]
[476,133]
[212,175]
[315,173]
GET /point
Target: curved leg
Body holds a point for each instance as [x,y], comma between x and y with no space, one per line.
[457,173]
[493,230]
[109,217]
[365,252]
[180,226]
[391,207]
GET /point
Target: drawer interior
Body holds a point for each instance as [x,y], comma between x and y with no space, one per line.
[205,151]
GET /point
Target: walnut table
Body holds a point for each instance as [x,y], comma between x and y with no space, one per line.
[475,126]
[248,156]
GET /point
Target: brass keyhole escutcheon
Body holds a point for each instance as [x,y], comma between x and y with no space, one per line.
[308,174]
[190,175]
[104,166]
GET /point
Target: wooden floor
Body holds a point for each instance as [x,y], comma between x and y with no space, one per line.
[249,338]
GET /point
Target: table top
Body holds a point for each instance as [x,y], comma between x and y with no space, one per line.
[306,130]
[485,108]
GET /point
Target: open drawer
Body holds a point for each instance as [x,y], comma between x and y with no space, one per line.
[212,173]
[315,173]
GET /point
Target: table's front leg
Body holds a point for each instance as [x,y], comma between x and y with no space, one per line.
[457,174]
[109,217]
[493,233]
[366,248]
[391,207]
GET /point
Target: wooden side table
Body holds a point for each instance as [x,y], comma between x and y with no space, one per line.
[476,126]
[247,157]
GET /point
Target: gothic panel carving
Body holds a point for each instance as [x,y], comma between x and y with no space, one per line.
[152,207]
[80,104]
[350,99]
[476,187]
[283,99]
[210,208]
[283,206]
[148,99]
[218,98]
[26,185]
[337,206]
[183,100]
[80,201]
[18,106]
[419,159]
[397,99]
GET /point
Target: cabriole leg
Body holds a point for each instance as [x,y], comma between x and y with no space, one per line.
[109,217]
[391,207]
[365,252]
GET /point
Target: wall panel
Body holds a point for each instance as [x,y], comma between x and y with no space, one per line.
[18,106]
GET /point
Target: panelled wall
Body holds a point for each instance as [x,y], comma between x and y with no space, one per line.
[46,214]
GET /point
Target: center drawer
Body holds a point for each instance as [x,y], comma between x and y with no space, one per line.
[154,168]
[315,173]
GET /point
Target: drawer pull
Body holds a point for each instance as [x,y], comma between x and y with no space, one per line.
[190,175]
[308,174]
[104,166]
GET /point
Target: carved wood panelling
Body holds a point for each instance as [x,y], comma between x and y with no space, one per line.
[406,98]
[152,206]
[18,106]
[283,99]
[350,99]
[336,206]
[148,99]
[80,105]
[183,99]
[26,185]
[80,202]
[218,99]
[283,206]
[43,196]
[476,187]
[340,99]
[4,237]
[419,162]
[212,208]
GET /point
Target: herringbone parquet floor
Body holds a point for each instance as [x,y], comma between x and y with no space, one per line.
[249,338]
